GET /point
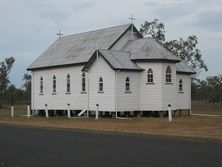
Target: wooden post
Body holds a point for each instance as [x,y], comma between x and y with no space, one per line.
[169,113]
[68,111]
[28,111]
[12,112]
[97,111]
[46,111]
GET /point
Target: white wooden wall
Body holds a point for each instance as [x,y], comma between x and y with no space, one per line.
[61,99]
[128,101]
[150,94]
[169,90]
[184,97]
[106,100]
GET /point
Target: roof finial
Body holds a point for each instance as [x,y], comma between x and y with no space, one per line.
[131,18]
[59,34]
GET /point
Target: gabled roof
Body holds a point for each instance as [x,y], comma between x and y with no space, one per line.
[182,67]
[147,49]
[117,60]
[78,48]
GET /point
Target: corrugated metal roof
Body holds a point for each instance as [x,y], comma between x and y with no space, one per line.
[148,49]
[182,67]
[119,60]
[78,48]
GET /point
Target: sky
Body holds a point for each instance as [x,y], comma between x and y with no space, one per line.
[29,27]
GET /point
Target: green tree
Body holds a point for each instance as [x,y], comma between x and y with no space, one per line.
[154,29]
[11,94]
[186,49]
[215,88]
[27,85]
[5,69]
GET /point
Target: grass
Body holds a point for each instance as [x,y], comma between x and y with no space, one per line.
[184,126]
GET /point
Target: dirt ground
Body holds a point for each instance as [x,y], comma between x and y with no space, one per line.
[182,126]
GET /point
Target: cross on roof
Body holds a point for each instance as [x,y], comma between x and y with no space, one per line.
[59,33]
[132,18]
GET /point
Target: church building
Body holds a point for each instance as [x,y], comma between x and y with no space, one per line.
[112,70]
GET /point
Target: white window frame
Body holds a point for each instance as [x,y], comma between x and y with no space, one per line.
[127,84]
[150,76]
[54,84]
[101,85]
[68,84]
[83,82]
[180,85]
[168,75]
[41,85]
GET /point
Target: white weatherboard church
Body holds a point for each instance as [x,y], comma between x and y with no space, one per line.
[114,69]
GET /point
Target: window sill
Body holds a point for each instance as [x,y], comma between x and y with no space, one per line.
[169,83]
[180,92]
[150,83]
[128,92]
[100,92]
[41,94]
[54,93]
[68,93]
[83,92]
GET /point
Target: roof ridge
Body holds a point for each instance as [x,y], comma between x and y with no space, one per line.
[95,30]
[114,50]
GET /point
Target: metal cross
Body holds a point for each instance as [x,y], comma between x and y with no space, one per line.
[59,33]
[132,18]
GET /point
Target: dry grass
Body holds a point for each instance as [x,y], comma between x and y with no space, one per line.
[185,126]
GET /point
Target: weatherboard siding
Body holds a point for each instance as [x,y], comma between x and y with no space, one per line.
[128,101]
[184,97]
[169,90]
[150,94]
[106,100]
[60,100]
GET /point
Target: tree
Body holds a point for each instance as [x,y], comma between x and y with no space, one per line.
[215,88]
[11,94]
[209,89]
[154,29]
[5,69]
[27,85]
[185,49]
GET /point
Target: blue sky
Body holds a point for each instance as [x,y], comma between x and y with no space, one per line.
[28,27]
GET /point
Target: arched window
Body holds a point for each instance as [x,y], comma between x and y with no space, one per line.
[68,83]
[100,84]
[54,84]
[168,74]
[83,82]
[41,85]
[150,76]
[127,84]
[181,85]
